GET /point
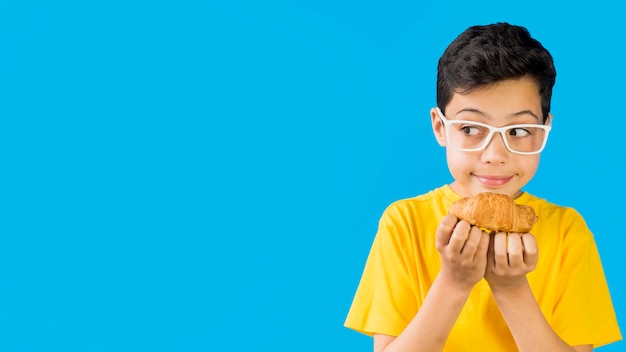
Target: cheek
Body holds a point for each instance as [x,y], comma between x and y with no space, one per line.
[459,163]
[529,165]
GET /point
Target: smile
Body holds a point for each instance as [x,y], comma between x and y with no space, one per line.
[493,181]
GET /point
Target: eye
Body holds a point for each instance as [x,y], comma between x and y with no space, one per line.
[519,132]
[471,130]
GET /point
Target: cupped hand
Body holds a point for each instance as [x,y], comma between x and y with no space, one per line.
[463,251]
[509,258]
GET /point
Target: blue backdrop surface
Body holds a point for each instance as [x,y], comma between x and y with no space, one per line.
[208,175]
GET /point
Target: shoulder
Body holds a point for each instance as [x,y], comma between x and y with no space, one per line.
[556,218]
[436,198]
[551,210]
[424,208]
[408,225]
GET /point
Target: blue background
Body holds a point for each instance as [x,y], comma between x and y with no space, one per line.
[203,176]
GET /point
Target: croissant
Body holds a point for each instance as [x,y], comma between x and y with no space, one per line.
[495,212]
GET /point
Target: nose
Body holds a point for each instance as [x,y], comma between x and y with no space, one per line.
[495,152]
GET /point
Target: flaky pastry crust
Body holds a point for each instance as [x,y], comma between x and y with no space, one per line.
[495,212]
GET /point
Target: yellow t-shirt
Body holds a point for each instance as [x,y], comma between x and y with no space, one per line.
[568,282]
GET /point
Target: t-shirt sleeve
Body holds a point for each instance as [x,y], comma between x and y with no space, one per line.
[584,312]
[385,299]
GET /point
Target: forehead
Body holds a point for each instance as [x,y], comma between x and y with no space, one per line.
[505,98]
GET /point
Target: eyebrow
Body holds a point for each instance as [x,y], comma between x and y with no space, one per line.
[519,113]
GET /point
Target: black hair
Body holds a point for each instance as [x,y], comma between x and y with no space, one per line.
[484,55]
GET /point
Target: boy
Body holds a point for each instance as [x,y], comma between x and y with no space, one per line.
[435,283]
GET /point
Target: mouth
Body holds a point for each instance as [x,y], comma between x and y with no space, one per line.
[492,181]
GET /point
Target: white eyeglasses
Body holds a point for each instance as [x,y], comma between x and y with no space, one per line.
[472,136]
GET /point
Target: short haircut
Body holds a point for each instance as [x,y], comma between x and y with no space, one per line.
[484,55]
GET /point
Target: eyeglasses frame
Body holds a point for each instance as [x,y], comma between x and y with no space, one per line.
[492,131]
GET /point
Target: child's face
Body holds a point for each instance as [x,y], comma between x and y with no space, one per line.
[495,168]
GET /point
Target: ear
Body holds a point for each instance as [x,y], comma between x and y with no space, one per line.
[438,127]
[549,120]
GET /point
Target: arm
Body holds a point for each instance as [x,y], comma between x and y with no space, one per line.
[463,256]
[510,258]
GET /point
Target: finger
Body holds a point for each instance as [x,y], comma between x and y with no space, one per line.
[483,245]
[444,230]
[491,260]
[515,250]
[472,241]
[499,250]
[459,235]
[531,251]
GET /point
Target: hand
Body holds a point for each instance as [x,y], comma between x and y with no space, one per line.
[510,257]
[463,251]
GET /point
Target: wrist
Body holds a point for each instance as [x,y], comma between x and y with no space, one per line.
[510,288]
[453,285]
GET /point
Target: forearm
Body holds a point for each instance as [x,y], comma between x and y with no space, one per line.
[429,329]
[528,326]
